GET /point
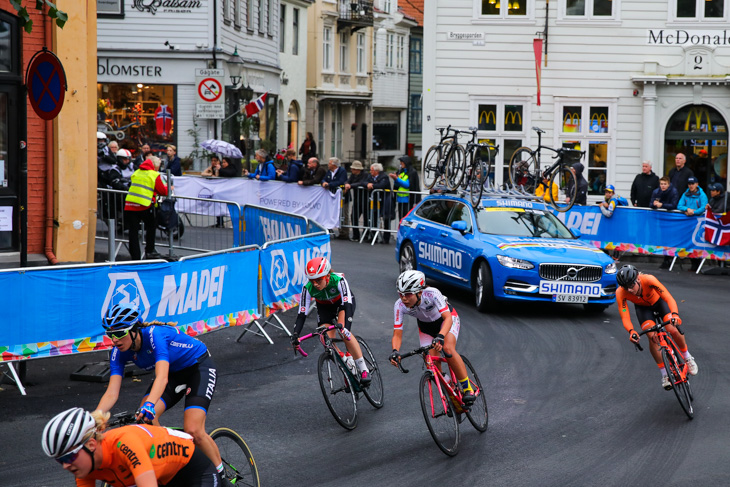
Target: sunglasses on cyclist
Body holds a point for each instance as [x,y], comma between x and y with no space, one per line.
[406,295]
[70,457]
[117,334]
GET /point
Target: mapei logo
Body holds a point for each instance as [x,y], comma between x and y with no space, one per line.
[126,288]
[279,273]
[588,223]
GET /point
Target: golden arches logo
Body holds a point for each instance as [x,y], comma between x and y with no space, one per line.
[486,115]
[514,115]
[698,114]
[598,117]
[571,122]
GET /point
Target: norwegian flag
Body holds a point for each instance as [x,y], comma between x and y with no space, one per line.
[717,228]
[255,106]
[163,120]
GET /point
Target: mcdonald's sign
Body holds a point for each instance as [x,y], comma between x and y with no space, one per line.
[599,123]
[487,115]
[571,122]
[698,113]
[516,119]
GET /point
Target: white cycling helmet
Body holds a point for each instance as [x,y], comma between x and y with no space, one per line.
[67,431]
[101,135]
[124,153]
[411,282]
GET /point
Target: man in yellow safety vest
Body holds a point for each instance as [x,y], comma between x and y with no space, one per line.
[139,206]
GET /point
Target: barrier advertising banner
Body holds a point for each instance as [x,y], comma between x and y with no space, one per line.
[282,270]
[264,225]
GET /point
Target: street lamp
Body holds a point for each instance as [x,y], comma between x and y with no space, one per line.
[235,68]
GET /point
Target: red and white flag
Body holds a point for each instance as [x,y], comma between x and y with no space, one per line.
[537,47]
[255,106]
[717,228]
[163,120]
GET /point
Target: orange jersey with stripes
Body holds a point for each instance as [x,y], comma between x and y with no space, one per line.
[132,450]
[651,291]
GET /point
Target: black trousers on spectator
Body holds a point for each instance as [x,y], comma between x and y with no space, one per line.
[133,219]
[359,208]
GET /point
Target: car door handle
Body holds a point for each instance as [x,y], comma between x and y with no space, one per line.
[421,227]
[444,234]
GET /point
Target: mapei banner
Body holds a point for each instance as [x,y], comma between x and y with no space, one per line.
[59,311]
[644,231]
[282,270]
[313,202]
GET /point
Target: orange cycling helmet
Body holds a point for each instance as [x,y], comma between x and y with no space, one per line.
[318,267]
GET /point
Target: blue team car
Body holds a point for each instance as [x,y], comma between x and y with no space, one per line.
[505,250]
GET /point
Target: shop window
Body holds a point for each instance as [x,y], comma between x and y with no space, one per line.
[386,131]
[292,125]
[505,9]
[141,113]
[590,9]
[685,10]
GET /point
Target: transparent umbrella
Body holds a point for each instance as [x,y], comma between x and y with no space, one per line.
[225,149]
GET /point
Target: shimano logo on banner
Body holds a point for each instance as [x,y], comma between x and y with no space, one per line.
[275,230]
[440,255]
[126,288]
[279,273]
[300,259]
[195,291]
[587,223]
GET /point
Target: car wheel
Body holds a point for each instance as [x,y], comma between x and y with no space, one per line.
[595,307]
[407,259]
[484,288]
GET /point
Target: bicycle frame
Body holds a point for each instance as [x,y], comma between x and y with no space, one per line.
[665,342]
[330,347]
[432,363]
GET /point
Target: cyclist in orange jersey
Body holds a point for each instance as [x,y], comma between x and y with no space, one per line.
[650,295]
[137,455]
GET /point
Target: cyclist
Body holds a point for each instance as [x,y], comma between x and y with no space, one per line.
[183,368]
[334,301]
[650,295]
[141,455]
[438,324]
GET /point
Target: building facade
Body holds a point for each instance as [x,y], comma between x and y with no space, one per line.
[414,10]
[623,81]
[339,85]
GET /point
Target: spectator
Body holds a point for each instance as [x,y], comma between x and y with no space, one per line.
[145,153]
[308,148]
[611,201]
[336,175]
[173,161]
[214,168]
[294,168]
[383,200]
[598,185]
[106,156]
[402,185]
[139,206]
[542,190]
[717,203]
[581,193]
[355,191]
[701,169]
[265,170]
[643,186]
[312,174]
[693,200]
[227,170]
[665,197]
[679,175]
[415,180]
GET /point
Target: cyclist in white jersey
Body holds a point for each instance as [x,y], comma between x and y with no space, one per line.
[438,324]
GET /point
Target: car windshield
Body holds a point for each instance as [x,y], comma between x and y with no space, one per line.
[521,222]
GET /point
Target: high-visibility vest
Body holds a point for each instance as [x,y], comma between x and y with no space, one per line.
[142,189]
[401,191]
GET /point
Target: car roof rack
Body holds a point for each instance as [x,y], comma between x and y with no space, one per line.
[507,191]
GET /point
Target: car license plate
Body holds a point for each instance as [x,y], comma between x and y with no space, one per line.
[570,298]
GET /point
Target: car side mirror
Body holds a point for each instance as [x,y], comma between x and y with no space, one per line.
[575,232]
[459,226]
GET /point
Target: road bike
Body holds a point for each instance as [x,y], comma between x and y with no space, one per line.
[441,400]
[674,363]
[238,462]
[340,387]
[444,160]
[478,166]
[525,170]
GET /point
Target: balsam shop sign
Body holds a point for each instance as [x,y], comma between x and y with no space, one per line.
[173,6]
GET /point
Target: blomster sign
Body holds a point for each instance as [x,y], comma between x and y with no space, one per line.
[173,6]
[680,37]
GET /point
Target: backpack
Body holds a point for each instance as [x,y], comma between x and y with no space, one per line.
[621,201]
[166,214]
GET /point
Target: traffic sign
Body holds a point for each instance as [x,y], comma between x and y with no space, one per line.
[210,89]
[46,82]
[210,99]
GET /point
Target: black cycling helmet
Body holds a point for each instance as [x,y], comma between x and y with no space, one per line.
[626,276]
[121,317]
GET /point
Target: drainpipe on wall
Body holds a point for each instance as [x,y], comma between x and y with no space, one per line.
[48,41]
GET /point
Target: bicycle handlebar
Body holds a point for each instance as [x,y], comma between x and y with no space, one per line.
[123,419]
[418,351]
[319,331]
[658,326]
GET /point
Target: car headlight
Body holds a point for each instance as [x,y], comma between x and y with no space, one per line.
[515,263]
[611,268]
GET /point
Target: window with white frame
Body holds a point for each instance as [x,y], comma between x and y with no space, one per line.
[327,49]
[237,13]
[389,48]
[503,123]
[699,10]
[261,17]
[269,18]
[336,146]
[591,9]
[344,52]
[510,9]
[360,53]
[282,27]
[587,126]
[388,6]
[227,11]
[400,58]
[295,32]
[249,15]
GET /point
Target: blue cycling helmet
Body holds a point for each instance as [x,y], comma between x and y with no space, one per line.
[609,187]
[121,317]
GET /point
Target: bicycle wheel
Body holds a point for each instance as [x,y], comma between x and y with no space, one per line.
[439,415]
[431,170]
[337,392]
[477,413]
[238,462]
[524,170]
[567,185]
[373,392]
[455,167]
[478,179]
[678,385]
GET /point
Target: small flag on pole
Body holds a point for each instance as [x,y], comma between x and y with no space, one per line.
[537,47]
[255,106]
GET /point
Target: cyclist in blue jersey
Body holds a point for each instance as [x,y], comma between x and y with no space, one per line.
[183,368]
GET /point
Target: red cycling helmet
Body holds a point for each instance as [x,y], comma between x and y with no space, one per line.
[318,267]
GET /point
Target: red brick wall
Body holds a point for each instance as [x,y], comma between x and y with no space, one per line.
[36,136]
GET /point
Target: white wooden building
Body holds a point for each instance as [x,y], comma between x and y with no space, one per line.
[624,81]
